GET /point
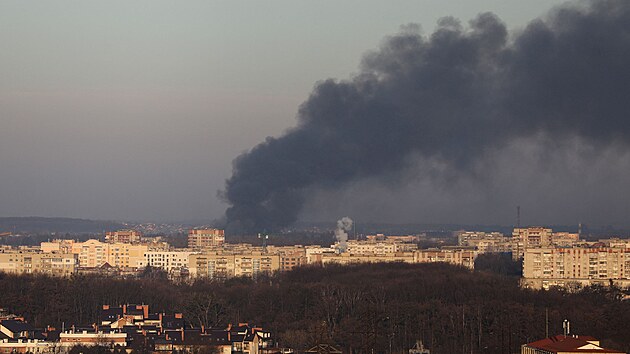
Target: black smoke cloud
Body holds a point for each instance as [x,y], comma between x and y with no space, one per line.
[453,97]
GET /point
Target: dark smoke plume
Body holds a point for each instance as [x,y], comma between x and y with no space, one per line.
[453,96]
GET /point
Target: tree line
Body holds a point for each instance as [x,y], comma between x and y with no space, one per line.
[360,308]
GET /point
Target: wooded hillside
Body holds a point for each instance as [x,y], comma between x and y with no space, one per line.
[356,307]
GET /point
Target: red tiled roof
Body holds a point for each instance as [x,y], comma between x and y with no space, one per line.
[570,344]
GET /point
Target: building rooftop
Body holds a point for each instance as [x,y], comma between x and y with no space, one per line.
[16,326]
[570,344]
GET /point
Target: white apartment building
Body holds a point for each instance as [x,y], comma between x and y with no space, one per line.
[166,260]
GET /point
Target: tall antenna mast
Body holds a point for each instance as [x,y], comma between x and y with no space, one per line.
[518,217]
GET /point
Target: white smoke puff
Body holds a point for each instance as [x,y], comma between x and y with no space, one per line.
[341,233]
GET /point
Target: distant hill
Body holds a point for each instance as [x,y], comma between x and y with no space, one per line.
[39,225]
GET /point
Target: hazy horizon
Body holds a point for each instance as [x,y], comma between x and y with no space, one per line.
[135,111]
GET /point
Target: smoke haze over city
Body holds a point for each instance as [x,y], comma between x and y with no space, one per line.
[120,111]
[448,108]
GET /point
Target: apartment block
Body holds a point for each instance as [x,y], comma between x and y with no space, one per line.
[555,266]
[93,253]
[123,236]
[314,254]
[199,239]
[532,237]
[616,242]
[460,257]
[226,265]
[484,242]
[349,258]
[61,246]
[290,256]
[394,238]
[564,239]
[30,262]
[167,260]
[377,247]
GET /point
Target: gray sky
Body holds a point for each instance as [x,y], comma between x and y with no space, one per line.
[135,110]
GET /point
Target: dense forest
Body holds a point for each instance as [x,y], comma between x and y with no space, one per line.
[360,307]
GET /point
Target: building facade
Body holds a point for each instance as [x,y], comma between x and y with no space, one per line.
[123,236]
[566,344]
[199,239]
[167,260]
[32,262]
[226,265]
[556,266]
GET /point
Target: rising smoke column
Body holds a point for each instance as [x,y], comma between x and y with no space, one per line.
[453,96]
[341,233]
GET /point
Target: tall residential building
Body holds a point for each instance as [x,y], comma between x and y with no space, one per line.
[123,236]
[484,242]
[93,253]
[532,237]
[554,266]
[199,239]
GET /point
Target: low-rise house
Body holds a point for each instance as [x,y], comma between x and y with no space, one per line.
[566,344]
[15,329]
